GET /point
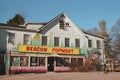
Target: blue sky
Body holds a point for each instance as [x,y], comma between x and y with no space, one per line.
[84,13]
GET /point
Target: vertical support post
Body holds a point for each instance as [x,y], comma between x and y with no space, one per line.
[28,61]
[46,62]
[55,63]
[8,62]
[70,60]
[84,60]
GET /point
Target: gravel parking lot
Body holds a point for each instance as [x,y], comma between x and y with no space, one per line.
[64,76]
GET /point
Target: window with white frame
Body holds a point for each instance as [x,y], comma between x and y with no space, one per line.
[67,42]
[56,41]
[77,43]
[44,40]
[11,38]
[67,24]
[98,44]
[26,39]
[62,24]
[90,43]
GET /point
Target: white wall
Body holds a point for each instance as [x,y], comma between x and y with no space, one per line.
[72,32]
[94,45]
[4,34]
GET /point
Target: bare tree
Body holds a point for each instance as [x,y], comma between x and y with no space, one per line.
[115,35]
[104,33]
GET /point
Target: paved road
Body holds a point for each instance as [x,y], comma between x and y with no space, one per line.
[64,76]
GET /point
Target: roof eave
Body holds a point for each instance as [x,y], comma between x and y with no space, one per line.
[62,14]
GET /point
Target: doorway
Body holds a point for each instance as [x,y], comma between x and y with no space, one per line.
[50,63]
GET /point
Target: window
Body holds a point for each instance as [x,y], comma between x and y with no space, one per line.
[80,61]
[24,61]
[41,61]
[15,61]
[11,38]
[26,39]
[62,62]
[65,62]
[77,61]
[89,43]
[73,60]
[67,24]
[56,41]
[98,44]
[33,61]
[62,24]
[77,43]
[58,61]
[44,40]
[67,41]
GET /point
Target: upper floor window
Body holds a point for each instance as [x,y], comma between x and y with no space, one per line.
[77,42]
[62,24]
[98,44]
[67,24]
[67,42]
[89,43]
[56,41]
[44,40]
[26,38]
[11,38]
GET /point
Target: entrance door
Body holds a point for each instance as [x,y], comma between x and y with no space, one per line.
[50,63]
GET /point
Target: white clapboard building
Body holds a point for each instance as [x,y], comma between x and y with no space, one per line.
[51,46]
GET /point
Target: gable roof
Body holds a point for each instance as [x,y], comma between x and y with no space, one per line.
[45,24]
[60,15]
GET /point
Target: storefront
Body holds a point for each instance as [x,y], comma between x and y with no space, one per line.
[58,46]
[43,59]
